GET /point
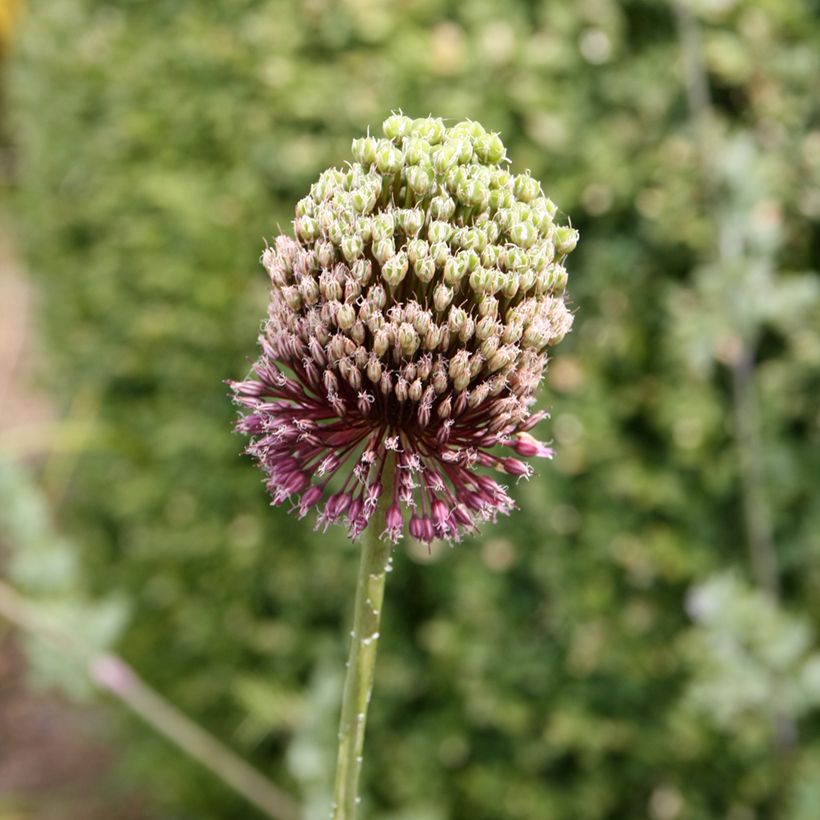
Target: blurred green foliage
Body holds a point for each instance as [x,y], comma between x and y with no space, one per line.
[546,669]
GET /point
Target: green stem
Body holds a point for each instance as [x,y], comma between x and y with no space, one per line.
[373,568]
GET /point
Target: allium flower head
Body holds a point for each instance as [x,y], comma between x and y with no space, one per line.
[407,331]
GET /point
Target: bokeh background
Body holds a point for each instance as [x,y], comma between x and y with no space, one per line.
[642,639]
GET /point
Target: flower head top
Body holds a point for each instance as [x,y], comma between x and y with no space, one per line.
[407,331]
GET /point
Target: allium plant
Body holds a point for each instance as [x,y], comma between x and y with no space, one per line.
[407,333]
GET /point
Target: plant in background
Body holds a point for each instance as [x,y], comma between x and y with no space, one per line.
[407,334]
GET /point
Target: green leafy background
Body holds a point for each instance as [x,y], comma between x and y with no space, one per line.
[610,650]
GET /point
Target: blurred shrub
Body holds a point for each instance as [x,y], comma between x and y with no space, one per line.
[534,673]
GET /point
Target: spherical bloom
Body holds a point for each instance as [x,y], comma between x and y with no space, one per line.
[407,331]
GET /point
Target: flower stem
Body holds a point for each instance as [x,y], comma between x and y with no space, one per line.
[373,568]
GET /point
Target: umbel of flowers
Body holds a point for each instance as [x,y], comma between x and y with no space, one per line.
[409,321]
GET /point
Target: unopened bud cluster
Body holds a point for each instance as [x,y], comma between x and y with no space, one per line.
[408,326]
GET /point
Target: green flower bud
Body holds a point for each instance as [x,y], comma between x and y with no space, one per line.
[445,157]
[470,259]
[442,296]
[335,231]
[307,229]
[454,270]
[430,128]
[389,160]
[488,306]
[417,249]
[419,179]
[517,259]
[525,188]
[440,253]
[352,247]
[490,255]
[442,207]
[489,148]
[384,249]
[474,239]
[565,238]
[425,269]
[408,339]
[383,225]
[510,285]
[395,269]
[485,327]
[305,206]
[364,228]
[345,316]
[456,319]
[465,151]
[364,150]
[397,126]
[439,231]
[325,254]
[363,199]
[504,218]
[362,270]
[416,151]
[481,281]
[501,199]
[292,297]
[410,220]
[523,234]
[473,194]
[468,128]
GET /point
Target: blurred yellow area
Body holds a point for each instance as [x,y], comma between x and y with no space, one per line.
[9,16]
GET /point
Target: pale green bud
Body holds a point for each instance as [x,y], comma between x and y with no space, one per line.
[474,239]
[439,231]
[454,270]
[362,271]
[488,306]
[565,238]
[445,157]
[525,188]
[410,220]
[416,150]
[489,148]
[517,259]
[425,269]
[305,206]
[352,246]
[325,254]
[364,150]
[417,249]
[470,259]
[468,128]
[419,179]
[389,160]
[383,225]
[523,234]
[307,229]
[408,339]
[397,126]
[442,207]
[363,199]
[440,253]
[431,129]
[292,297]
[512,281]
[345,316]
[490,256]
[395,269]
[384,249]
[442,296]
